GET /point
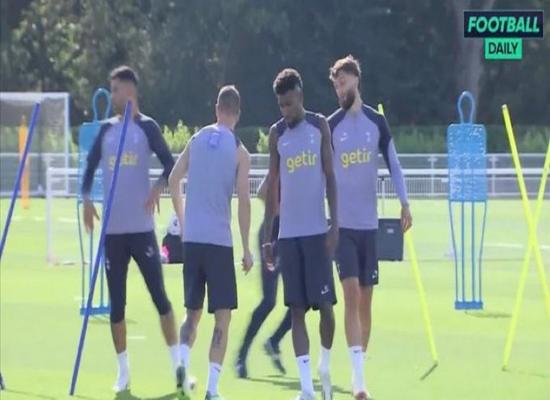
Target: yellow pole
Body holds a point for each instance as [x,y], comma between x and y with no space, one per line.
[25,182]
[422,294]
[533,242]
[419,285]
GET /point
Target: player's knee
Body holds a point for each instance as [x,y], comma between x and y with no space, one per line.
[326,311]
[351,304]
[162,303]
[117,313]
[298,315]
[267,304]
[192,318]
[222,318]
[352,292]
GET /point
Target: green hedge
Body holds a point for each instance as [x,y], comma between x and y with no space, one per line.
[408,139]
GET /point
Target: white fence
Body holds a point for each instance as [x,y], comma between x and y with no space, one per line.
[429,178]
[421,183]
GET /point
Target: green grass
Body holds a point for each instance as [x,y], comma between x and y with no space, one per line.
[40,321]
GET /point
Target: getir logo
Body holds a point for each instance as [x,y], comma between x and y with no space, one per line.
[128,158]
[306,159]
[359,156]
[503,31]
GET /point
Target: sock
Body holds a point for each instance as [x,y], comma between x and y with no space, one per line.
[185,353]
[306,382]
[356,357]
[174,356]
[324,362]
[213,377]
[123,375]
[122,363]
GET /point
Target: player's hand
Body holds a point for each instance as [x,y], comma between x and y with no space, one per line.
[89,214]
[406,218]
[267,251]
[153,200]
[247,261]
[332,241]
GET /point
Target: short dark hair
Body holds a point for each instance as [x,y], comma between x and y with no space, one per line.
[124,73]
[348,64]
[229,99]
[287,79]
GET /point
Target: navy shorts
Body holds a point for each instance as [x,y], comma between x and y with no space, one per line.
[209,266]
[356,256]
[307,272]
[143,248]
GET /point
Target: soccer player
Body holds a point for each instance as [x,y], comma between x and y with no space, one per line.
[215,162]
[130,230]
[301,162]
[270,278]
[359,134]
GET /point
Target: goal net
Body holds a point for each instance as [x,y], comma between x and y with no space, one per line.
[51,136]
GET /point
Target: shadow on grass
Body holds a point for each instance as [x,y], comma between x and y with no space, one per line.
[104,320]
[28,394]
[488,314]
[536,374]
[294,384]
[127,395]
[429,371]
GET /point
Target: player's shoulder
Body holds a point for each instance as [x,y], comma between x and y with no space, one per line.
[147,123]
[106,124]
[372,113]
[204,133]
[279,127]
[315,119]
[336,117]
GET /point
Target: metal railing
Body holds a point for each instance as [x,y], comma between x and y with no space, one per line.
[431,183]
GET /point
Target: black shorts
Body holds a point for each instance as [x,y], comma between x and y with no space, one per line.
[143,248]
[307,272]
[356,256]
[211,266]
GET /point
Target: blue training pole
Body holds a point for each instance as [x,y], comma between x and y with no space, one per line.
[107,213]
[34,118]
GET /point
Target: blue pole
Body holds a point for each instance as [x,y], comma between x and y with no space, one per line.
[127,116]
[473,252]
[462,246]
[454,250]
[34,118]
[83,283]
[481,250]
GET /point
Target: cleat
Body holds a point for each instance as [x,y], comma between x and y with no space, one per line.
[275,355]
[240,367]
[182,384]
[213,396]
[305,396]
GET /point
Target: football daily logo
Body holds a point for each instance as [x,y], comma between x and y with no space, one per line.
[503,31]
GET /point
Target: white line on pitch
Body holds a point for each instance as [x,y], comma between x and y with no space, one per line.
[68,220]
[515,245]
[137,337]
